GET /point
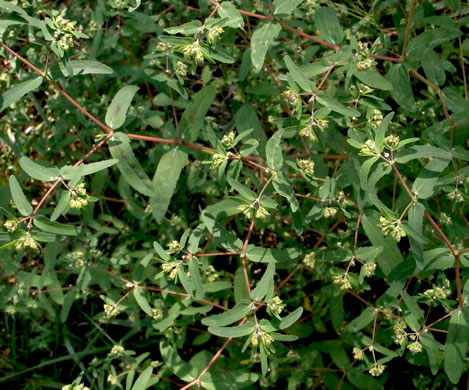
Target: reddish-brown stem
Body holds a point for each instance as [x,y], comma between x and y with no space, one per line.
[407,30]
[243,256]
[329,70]
[387,58]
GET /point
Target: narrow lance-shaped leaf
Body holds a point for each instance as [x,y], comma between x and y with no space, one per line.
[62,204]
[328,25]
[18,91]
[55,227]
[165,180]
[334,105]
[142,380]
[229,317]
[195,278]
[119,146]
[232,331]
[37,171]
[298,76]
[142,300]
[194,115]
[261,40]
[381,131]
[178,367]
[273,151]
[456,345]
[117,111]
[68,171]
[261,289]
[285,7]
[184,279]
[290,319]
[22,204]
[81,67]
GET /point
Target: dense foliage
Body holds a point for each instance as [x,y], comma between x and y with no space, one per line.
[234,195]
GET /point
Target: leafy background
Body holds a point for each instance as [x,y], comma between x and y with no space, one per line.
[303,164]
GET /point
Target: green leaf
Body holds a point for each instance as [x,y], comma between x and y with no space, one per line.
[18,91]
[139,295]
[143,379]
[291,318]
[272,255]
[433,349]
[328,25]
[62,204]
[228,10]
[298,76]
[284,337]
[55,227]
[186,283]
[264,360]
[381,132]
[261,40]
[401,91]
[175,364]
[262,286]
[229,317]
[22,204]
[232,331]
[119,146]
[165,180]
[274,151]
[283,187]
[117,111]
[365,170]
[246,118]
[37,171]
[68,171]
[456,345]
[195,278]
[373,79]
[425,182]
[416,317]
[421,151]
[285,7]
[361,321]
[245,192]
[194,115]
[190,28]
[334,105]
[421,46]
[80,67]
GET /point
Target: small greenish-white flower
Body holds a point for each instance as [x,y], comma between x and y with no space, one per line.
[391,142]
[455,195]
[228,139]
[211,273]
[117,350]
[174,247]
[307,166]
[64,25]
[291,96]
[415,347]
[248,210]
[393,228]
[292,354]
[342,281]
[75,387]
[171,269]
[254,339]
[365,64]
[321,124]
[330,212]
[193,51]
[218,159]
[357,353]
[112,379]
[214,34]
[363,48]
[110,310]
[309,260]
[276,305]
[10,225]
[376,118]
[157,314]
[445,219]
[267,339]
[155,363]
[400,335]
[377,369]
[65,42]
[438,292]
[78,196]
[369,268]
[181,69]
[261,213]
[364,89]
[27,241]
[162,46]
[368,149]
[309,133]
